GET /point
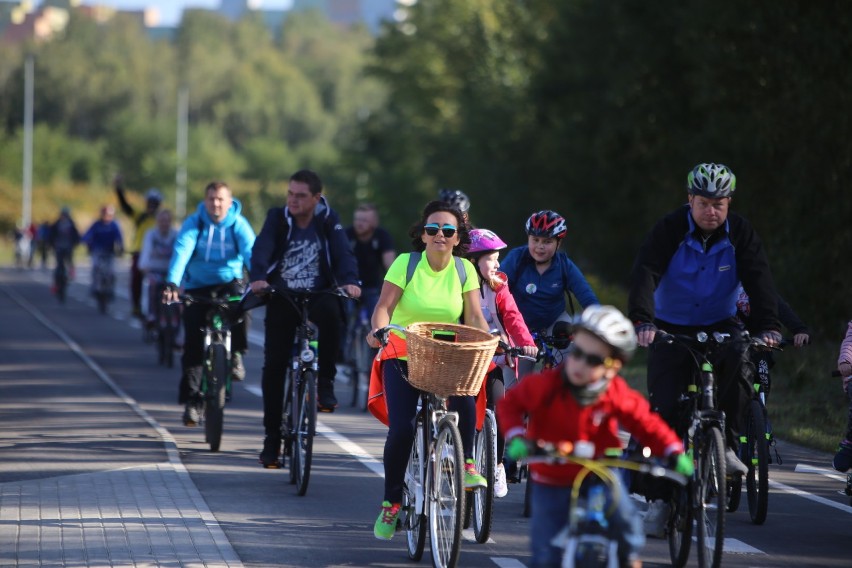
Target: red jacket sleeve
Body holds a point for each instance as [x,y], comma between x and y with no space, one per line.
[525,398]
[513,321]
[635,415]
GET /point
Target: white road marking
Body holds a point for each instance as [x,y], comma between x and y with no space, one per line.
[507,562]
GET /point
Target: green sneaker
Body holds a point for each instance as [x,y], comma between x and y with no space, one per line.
[386,523]
[472,479]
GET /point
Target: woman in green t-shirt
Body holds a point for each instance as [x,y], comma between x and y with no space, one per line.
[435,292]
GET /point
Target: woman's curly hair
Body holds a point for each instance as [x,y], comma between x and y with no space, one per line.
[416,230]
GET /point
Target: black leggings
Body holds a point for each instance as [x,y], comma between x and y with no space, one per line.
[401,400]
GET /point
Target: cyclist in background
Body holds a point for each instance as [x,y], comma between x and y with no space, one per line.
[501,313]
[374,252]
[301,246]
[843,458]
[213,246]
[436,292]
[63,236]
[104,239]
[585,399]
[685,279]
[540,276]
[458,199]
[154,257]
[764,360]
[143,221]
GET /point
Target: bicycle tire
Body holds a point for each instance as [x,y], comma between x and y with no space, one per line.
[60,278]
[527,512]
[757,478]
[482,502]
[710,497]
[680,525]
[305,407]
[361,370]
[214,395]
[413,494]
[446,496]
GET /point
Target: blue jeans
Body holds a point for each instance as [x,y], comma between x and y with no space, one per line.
[550,509]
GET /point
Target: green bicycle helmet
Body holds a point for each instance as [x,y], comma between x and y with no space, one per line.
[711,180]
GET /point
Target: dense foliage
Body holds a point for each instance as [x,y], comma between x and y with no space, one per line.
[595,109]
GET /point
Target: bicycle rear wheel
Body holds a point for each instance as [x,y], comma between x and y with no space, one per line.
[305,415]
[757,479]
[413,493]
[710,497]
[482,502]
[214,395]
[446,496]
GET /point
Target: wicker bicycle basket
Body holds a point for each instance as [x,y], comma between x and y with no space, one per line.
[448,368]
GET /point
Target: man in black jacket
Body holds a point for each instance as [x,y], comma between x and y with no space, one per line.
[302,246]
[686,279]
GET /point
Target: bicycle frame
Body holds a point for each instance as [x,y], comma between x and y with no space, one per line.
[597,490]
[702,426]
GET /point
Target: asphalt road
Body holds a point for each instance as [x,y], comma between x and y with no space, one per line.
[259,513]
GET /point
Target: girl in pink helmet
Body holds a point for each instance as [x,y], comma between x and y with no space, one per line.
[501,312]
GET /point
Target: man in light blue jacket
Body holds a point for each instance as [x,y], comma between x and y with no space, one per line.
[211,249]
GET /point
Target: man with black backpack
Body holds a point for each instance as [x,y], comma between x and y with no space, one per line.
[301,246]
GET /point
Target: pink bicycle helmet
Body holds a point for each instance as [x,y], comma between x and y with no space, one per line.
[483,240]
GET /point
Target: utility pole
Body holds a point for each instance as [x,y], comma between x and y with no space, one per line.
[27,205]
[182,135]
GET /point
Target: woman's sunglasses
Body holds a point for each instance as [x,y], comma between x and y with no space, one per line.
[591,359]
[433,228]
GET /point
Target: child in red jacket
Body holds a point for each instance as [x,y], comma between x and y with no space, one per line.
[584,400]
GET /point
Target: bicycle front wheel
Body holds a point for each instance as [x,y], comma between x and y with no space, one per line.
[214,395]
[446,496]
[305,414]
[757,479]
[413,493]
[485,454]
[710,497]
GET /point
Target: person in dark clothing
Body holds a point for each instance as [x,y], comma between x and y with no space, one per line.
[63,236]
[300,246]
[685,279]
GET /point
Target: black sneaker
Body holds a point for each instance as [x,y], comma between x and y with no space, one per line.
[271,451]
[238,370]
[326,402]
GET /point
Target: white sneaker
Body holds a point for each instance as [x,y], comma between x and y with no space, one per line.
[656,518]
[733,464]
[500,487]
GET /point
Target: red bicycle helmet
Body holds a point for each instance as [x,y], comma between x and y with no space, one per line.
[547,223]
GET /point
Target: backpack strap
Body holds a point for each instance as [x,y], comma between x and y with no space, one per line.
[414,260]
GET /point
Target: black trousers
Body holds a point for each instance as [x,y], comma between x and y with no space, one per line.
[193,323]
[670,367]
[326,312]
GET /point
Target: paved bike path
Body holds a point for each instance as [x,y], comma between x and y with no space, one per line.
[87,478]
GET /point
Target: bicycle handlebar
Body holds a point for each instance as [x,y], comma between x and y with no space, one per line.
[582,454]
[516,351]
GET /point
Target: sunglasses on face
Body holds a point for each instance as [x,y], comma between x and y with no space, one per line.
[433,228]
[590,359]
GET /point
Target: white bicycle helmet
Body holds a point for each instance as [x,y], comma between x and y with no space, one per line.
[711,180]
[610,326]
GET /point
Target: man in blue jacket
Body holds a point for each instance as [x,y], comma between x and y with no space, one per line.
[211,249]
[686,279]
[301,246]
